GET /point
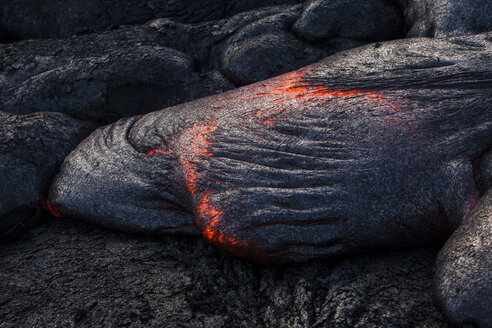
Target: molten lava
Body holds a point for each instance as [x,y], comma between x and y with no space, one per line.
[194,143]
[52,210]
[157,151]
[214,218]
[293,86]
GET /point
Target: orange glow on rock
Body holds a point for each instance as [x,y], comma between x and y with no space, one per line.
[213,217]
[157,151]
[293,86]
[52,210]
[280,97]
[196,145]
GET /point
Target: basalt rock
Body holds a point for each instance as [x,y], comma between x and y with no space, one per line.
[442,18]
[103,77]
[135,70]
[463,280]
[131,80]
[289,40]
[65,273]
[268,48]
[54,18]
[483,175]
[376,20]
[31,149]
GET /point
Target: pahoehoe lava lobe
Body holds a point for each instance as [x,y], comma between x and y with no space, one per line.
[369,148]
[463,284]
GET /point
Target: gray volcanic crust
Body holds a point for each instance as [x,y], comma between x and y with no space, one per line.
[53,18]
[68,274]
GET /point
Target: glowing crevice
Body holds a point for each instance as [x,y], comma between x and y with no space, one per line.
[293,86]
[52,210]
[157,151]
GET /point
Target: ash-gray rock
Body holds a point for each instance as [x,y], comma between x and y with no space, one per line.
[313,162]
[376,20]
[374,147]
[135,70]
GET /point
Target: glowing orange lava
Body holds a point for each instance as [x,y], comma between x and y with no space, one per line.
[214,218]
[196,144]
[275,97]
[157,151]
[293,86]
[195,140]
[52,210]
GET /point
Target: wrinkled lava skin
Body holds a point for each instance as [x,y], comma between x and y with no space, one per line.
[375,147]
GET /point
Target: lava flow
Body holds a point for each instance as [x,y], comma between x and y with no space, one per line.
[294,86]
[214,216]
[193,144]
[209,217]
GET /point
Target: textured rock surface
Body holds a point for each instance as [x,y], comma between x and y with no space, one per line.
[441,18]
[290,169]
[279,43]
[65,274]
[375,20]
[31,149]
[136,70]
[101,77]
[55,18]
[483,176]
[68,274]
[463,280]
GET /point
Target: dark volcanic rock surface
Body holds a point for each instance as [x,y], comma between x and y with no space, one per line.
[31,149]
[135,70]
[441,18]
[375,20]
[55,18]
[65,274]
[483,173]
[130,80]
[463,279]
[369,148]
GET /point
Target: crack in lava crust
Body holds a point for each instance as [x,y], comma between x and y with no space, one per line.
[294,85]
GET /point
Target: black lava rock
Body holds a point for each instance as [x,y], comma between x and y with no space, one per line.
[104,77]
[135,70]
[440,18]
[265,49]
[54,19]
[363,20]
[31,149]
[66,273]
[463,280]
[483,173]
